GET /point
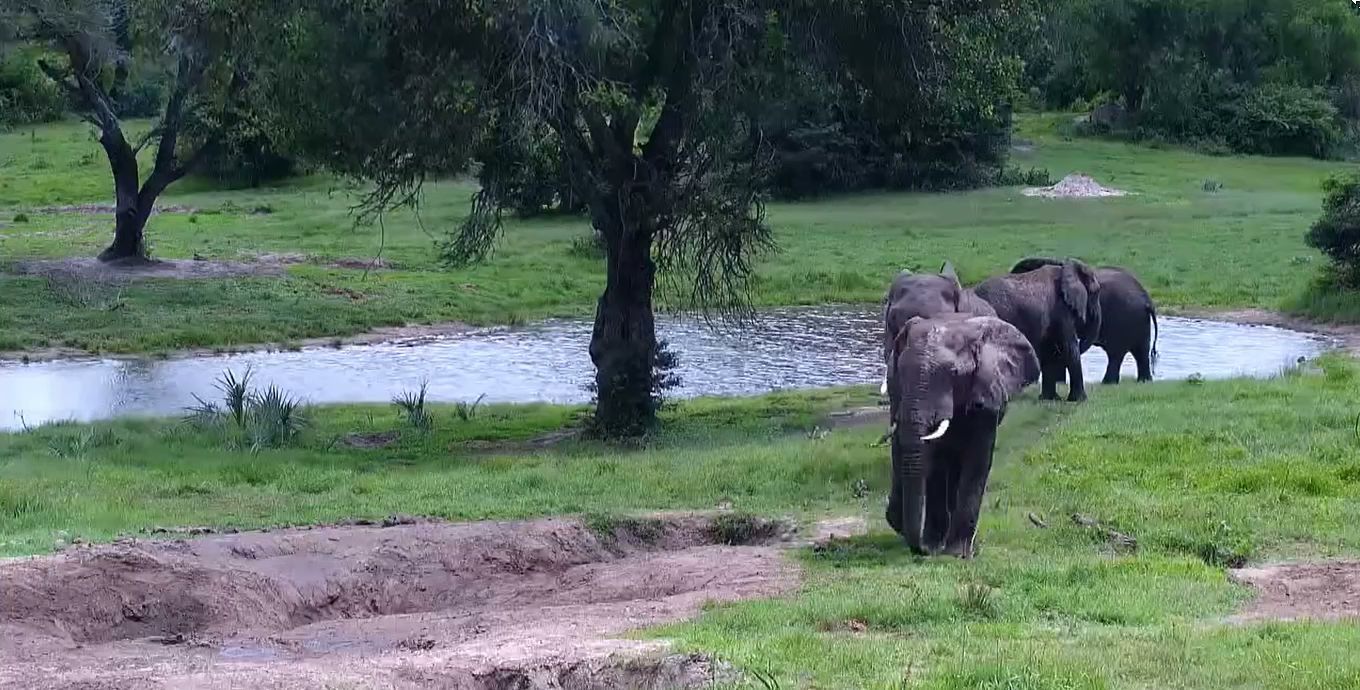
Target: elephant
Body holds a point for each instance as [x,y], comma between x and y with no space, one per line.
[924,294]
[1058,309]
[953,377]
[1128,318]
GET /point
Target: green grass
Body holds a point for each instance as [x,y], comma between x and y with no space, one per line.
[1201,474]
[1239,247]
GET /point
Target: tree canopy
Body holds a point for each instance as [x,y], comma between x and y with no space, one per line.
[655,109]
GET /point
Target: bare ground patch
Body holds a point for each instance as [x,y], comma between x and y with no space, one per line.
[108,209]
[1326,591]
[537,604]
[91,269]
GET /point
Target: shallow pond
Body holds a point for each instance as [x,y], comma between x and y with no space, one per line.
[787,349]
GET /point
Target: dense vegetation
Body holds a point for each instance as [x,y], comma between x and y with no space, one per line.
[1252,76]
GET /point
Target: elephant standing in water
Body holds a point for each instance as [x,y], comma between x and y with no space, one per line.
[1058,310]
[926,295]
[1128,318]
[952,377]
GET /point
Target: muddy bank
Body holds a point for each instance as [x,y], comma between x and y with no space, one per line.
[1319,591]
[410,335]
[537,604]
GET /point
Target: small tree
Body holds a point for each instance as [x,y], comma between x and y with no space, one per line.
[205,47]
[1337,232]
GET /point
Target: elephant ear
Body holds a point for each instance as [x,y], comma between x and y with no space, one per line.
[947,270]
[1005,363]
[1074,291]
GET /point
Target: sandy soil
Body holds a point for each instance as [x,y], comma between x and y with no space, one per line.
[481,605]
[1326,591]
[1074,186]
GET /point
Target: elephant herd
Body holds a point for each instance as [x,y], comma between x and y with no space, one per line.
[955,356]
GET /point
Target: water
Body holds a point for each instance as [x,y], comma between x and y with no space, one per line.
[788,349]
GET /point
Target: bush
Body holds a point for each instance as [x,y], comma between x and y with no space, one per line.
[27,96]
[1279,77]
[142,96]
[1284,119]
[246,154]
[1337,232]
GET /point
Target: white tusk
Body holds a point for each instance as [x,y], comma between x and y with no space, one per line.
[938,433]
[883,389]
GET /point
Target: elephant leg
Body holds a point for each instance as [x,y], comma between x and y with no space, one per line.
[894,514]
[1116,358]
[974,466]
[1076,383]
[1142,356]
[1051,370]
[940,492]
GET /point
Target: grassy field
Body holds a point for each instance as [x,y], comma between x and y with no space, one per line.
[1203,475]
[1238,247]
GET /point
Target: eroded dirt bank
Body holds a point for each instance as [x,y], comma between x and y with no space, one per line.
[482,605]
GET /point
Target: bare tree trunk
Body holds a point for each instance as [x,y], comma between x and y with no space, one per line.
[623,345]
[130,213]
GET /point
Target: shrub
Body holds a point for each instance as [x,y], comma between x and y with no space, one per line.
[1284,119]
[143,95]
[1337,232]
[27,96]
[411,408]
[246,155]
[250,419]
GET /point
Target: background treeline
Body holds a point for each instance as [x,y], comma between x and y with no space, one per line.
[1247,76]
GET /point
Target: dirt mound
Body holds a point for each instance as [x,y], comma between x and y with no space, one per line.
[1074,186]
[1306,590]
[481,605]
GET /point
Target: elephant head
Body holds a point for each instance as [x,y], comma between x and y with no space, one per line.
[1080,291]
[954,375]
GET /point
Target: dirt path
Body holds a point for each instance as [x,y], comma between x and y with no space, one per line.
[1323,591]
[482,605]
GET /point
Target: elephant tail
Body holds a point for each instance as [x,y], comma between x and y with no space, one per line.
[1156,333]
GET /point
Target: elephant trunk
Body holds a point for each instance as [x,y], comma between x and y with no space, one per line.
[911,437]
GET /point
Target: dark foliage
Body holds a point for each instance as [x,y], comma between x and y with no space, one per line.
[1337,232]
[27,96]
[1253,76]
[239,150]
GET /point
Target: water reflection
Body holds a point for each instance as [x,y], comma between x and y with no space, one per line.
[787,349]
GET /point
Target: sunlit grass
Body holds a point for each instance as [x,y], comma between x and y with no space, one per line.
[1238,246]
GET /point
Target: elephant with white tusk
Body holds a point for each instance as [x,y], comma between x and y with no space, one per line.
[924,294]
[953,376]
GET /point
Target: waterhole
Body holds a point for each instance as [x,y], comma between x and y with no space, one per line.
[796,348]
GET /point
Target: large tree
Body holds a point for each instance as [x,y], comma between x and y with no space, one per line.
[206,52]
[653,108]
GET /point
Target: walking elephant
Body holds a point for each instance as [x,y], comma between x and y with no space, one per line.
[927,295]
[1128,318]
[1058,310]
[953,377]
